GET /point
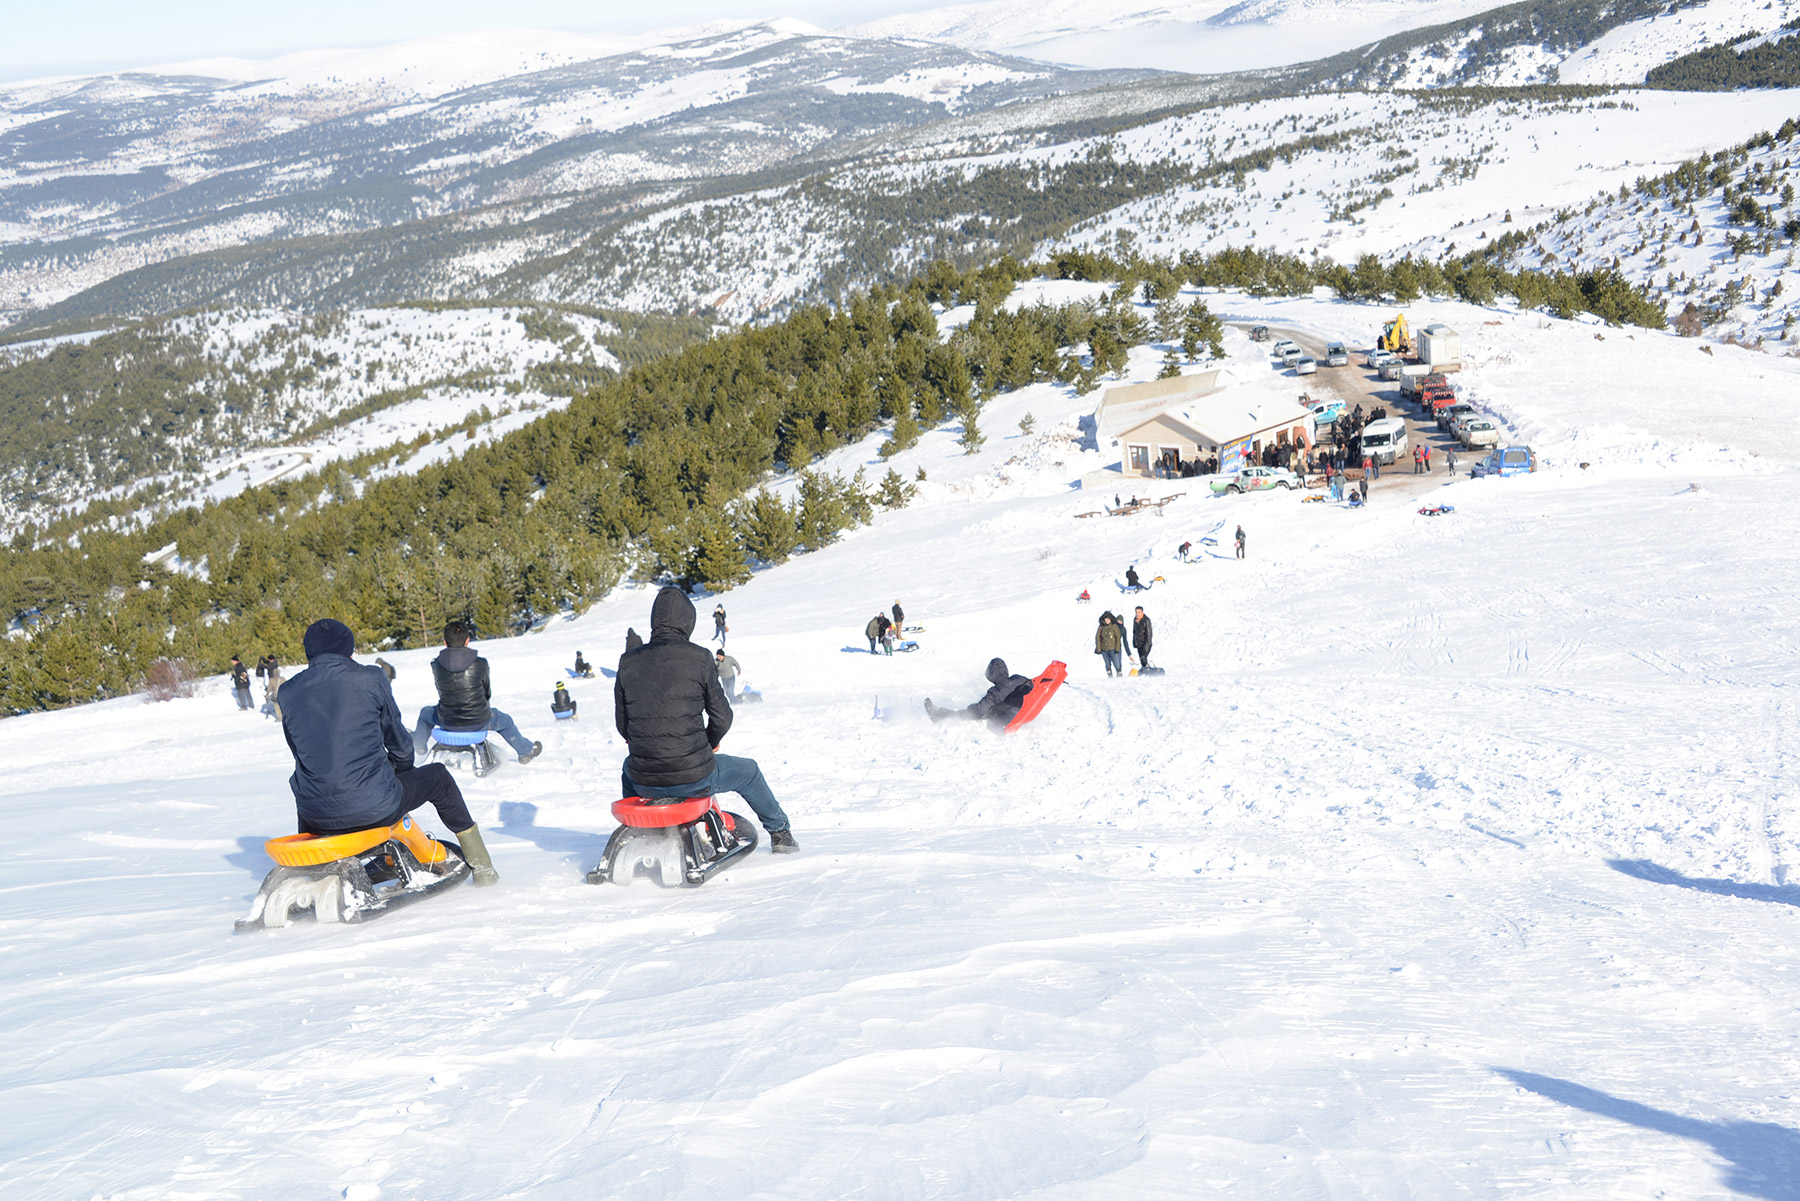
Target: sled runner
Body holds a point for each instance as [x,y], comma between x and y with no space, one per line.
[908,645]
[1147,671]
[1042,689]
[449,747]
[563,714]
[681,842]
[578,675]
[352,877]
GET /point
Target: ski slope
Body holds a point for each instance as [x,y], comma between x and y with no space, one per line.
[1451,858]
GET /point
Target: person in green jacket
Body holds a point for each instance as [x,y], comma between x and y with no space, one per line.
[1109,644]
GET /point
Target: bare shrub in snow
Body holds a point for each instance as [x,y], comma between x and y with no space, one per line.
[166,679]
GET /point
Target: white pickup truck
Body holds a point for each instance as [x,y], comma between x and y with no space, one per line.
[1257,479]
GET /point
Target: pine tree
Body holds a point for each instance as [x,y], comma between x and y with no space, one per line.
[822,512]
[972,437]
[769,528]
[1171,366]
[1198,327]
[719,560]
[906,431]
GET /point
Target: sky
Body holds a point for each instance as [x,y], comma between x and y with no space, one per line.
[104,35]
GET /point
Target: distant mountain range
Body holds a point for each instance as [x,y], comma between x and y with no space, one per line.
[664,174]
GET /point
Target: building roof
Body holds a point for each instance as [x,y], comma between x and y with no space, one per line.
[1242,410]
[1130,405]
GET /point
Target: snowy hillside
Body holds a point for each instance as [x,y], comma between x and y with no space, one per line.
[1450,858]
[111,175]
[203,405]
[1200,35]
[1716,236]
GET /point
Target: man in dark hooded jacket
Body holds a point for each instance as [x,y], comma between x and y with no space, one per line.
[1141,632]
[464,692]
[673,712]
[999,705]
[353,762]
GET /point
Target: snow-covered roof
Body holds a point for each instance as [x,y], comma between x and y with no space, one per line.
[1130,405]
[1242,410]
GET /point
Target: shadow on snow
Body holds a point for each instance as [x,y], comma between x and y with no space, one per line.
[1764,1158]
[1643,869]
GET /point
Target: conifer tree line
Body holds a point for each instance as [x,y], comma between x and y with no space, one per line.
[661,471]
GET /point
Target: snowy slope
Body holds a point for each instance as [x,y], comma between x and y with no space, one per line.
[1449,859]
[1200,35]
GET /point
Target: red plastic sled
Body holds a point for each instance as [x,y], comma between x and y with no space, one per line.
[1042,689]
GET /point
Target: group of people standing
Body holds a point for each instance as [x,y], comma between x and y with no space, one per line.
[268,670]
[1109,641]
[882,633]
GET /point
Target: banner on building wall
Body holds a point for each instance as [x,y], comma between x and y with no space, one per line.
[1234,456]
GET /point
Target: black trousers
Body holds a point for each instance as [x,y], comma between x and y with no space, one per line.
[431,785]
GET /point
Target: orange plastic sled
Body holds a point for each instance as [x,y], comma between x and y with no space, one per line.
[308,850]
[1042,689]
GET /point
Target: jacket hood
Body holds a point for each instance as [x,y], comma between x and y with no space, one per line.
[996,671]
[329,637]
[457,658]
[671,615]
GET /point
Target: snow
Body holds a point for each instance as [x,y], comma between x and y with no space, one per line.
[1450,858]
[1203,36]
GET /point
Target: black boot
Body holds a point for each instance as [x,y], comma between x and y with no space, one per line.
[537,748]
[782,842]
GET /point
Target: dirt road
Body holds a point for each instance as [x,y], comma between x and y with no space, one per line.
[1357,384]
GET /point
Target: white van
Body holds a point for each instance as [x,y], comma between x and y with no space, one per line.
[1384,440]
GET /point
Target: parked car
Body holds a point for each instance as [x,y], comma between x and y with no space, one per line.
[1375,357]
[1390,367]
[1336,355]
[1257,479]
[1512,460]
[1477,432]
[1327,412]
[1281,348]
[1259,333]
[1450,413]
[1305,365]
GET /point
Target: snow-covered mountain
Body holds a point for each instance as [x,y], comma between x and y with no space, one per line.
[1202,36]
[104,175]
[1452,857]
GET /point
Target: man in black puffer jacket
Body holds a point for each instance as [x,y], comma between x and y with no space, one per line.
[999,705]
[463,691]
[353,763]
[672,710]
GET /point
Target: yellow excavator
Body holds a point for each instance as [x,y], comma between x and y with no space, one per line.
[1396,337]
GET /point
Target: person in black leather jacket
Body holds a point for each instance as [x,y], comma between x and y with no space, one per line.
[463,691]
[999,705]
[353,763]
[673,712]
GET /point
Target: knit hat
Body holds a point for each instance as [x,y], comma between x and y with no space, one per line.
[329,637]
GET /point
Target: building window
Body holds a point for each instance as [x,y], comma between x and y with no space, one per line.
[1140,458]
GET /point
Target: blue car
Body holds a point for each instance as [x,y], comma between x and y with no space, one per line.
[1510,460]
[1326,412]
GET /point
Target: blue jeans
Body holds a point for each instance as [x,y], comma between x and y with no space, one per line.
[1113,661]
[731,773]
[498,722]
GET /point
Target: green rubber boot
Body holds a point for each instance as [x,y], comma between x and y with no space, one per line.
[476,852]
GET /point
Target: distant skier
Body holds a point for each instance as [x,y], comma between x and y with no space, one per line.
[583,668]
[1183,549]
[669,705]
[464,695]
[1363,488]
[720,629]
[561,702]
[899,618]
[1240,541]
[1426,451]
[999,705]
[729,669]
[1140,637]
[1131,579]
[1109,644]
[240,683]
[353,760]
[1449,462]
[877,632]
